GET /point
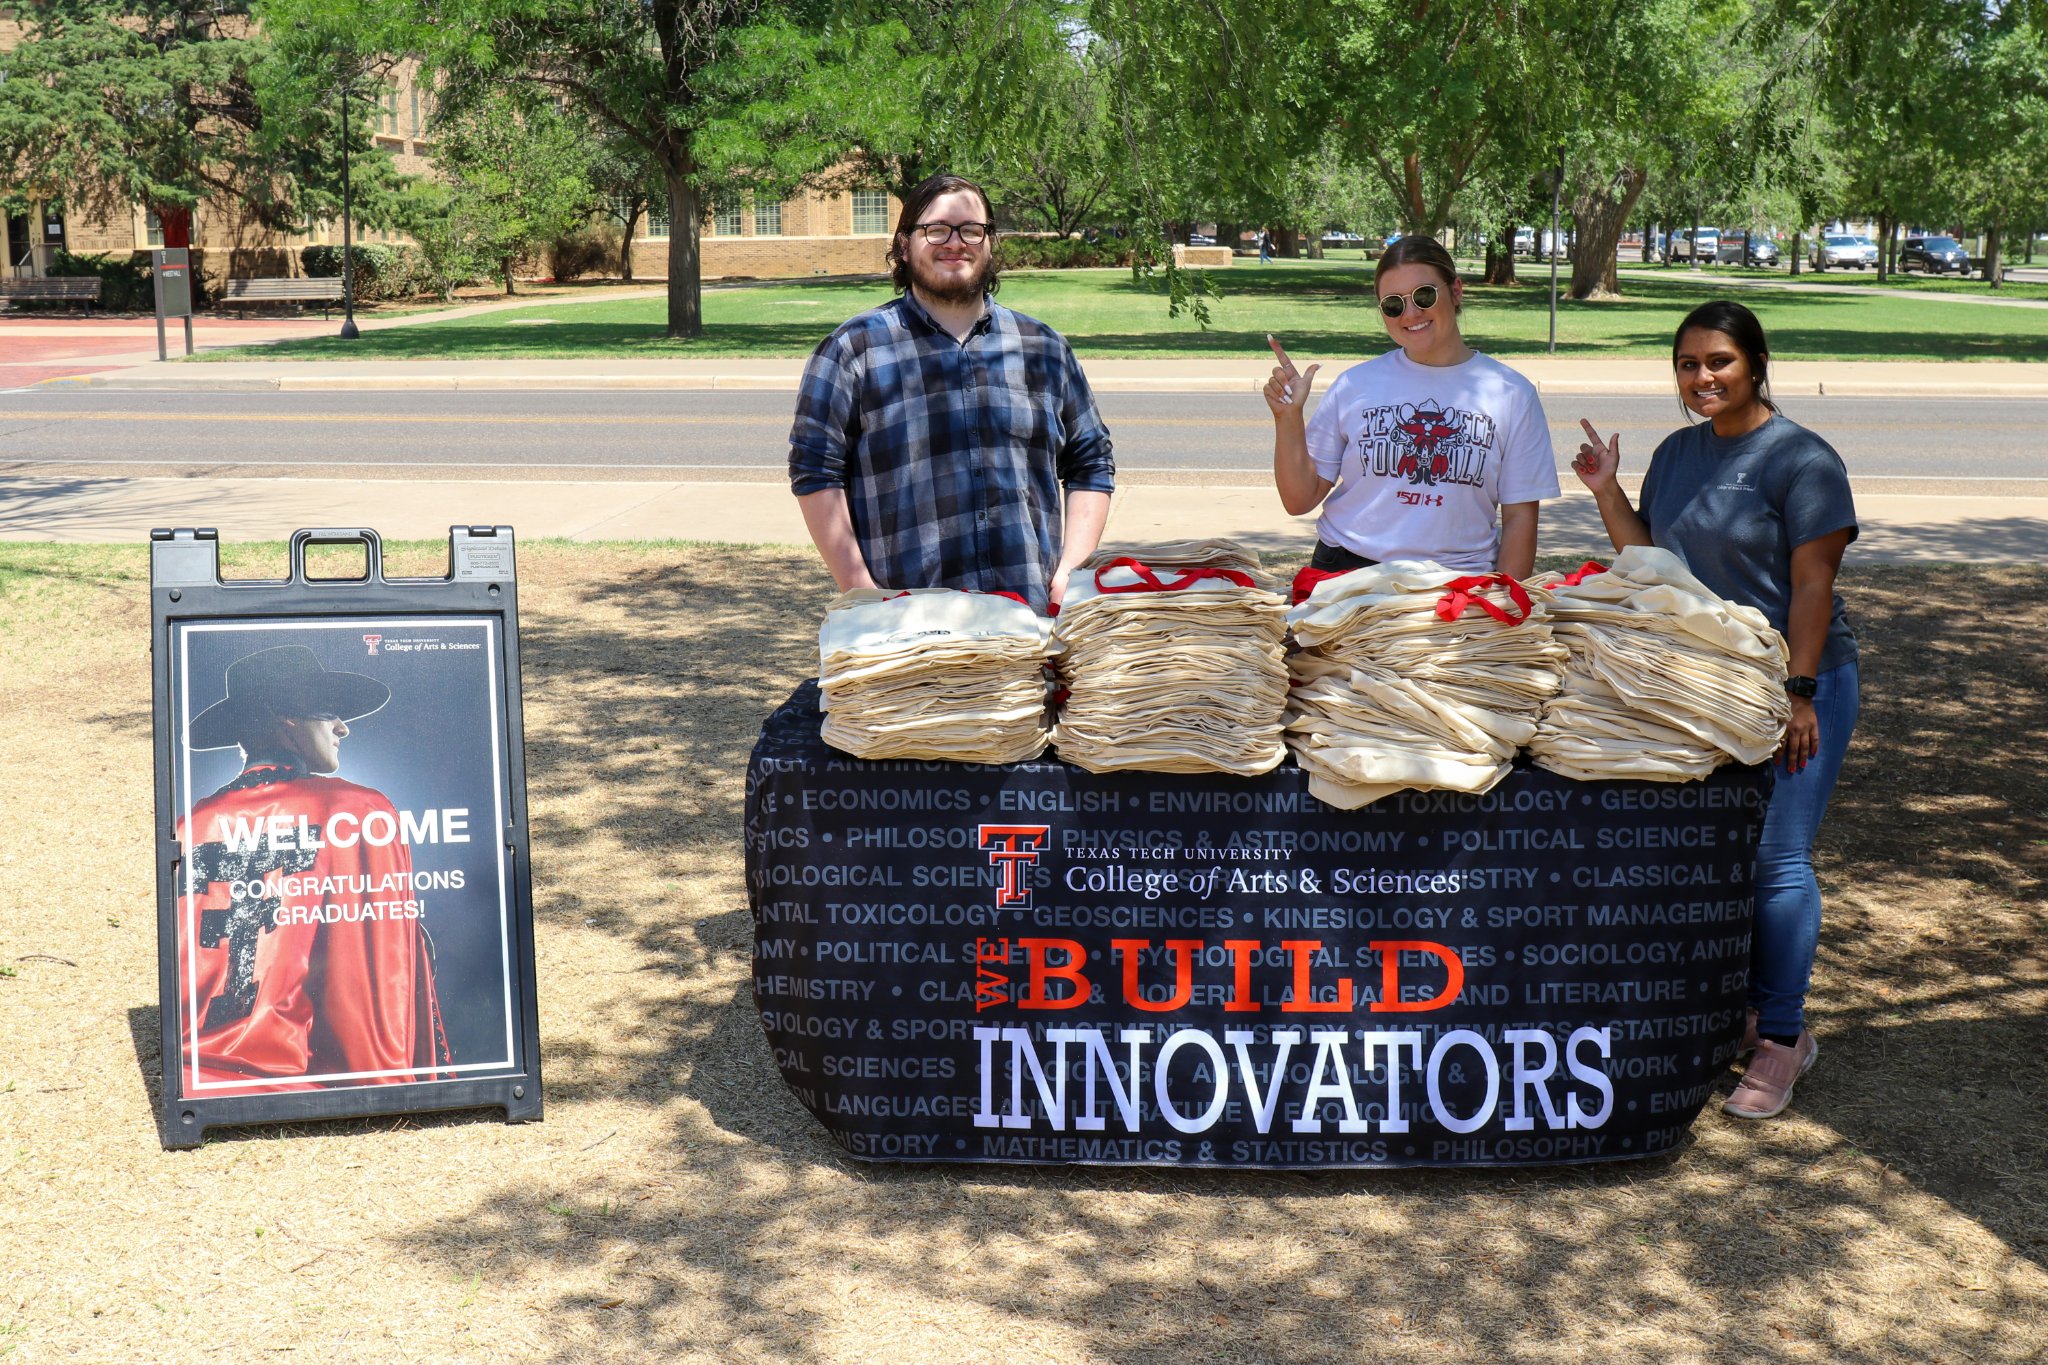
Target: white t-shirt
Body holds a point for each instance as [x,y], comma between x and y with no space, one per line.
[1424,455]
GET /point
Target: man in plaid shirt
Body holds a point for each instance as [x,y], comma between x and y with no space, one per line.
[934,434]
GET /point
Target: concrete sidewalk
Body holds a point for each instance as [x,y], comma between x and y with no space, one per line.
[1552,375]
[1899,528]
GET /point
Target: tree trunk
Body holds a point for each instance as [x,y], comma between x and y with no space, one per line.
[1992,270]
[1884,247]
[685,258]
[1284,241]
[1501,269]
[1600,211]
[1315,246]
[626,245]
[509,290]
[1649,239]
[1795,251]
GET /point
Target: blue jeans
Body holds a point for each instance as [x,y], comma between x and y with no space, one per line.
[1787,929]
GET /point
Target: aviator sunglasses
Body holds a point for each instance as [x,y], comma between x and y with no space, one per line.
[1393,305]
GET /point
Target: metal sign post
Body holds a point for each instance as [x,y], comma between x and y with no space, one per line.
[173,275]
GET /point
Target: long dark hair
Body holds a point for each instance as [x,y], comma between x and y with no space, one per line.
[1740,326]
[914,204]
[1416,249]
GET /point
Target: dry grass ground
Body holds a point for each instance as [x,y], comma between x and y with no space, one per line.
[677,1204]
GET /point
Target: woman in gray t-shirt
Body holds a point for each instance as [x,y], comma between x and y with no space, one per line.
[1759,509]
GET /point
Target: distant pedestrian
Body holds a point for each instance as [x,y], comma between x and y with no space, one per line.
[1265,246]
[1759,509]
[936,435]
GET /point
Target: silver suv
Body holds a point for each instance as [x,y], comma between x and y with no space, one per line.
[1844,249]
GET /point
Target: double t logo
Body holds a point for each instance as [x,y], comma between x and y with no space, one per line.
[1013,848]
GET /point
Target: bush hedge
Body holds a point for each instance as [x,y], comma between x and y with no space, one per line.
[385,274]
[590,250]
[1063,253]
[125,285]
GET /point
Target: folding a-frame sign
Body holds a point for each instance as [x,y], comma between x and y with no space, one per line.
[344,907]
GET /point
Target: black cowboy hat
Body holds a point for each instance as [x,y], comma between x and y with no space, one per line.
[284,681]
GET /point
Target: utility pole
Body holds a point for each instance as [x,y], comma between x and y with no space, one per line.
[1556,192]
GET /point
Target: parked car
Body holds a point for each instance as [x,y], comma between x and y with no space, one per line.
[1200,239]
[1844,249]
[1525,241]
[1936,255]
[1337,240]
[1754,249]
[1687,243]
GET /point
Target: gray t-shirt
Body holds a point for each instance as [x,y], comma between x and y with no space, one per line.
[1734,510]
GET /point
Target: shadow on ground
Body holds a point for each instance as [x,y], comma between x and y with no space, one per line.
[1928,1104]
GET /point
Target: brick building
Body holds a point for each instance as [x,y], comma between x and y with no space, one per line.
[809,234]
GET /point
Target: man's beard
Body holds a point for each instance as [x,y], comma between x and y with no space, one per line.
[934,286]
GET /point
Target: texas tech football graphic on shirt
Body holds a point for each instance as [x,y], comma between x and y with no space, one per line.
[1425,443]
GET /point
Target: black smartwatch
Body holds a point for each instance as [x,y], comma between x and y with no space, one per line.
[1802,687]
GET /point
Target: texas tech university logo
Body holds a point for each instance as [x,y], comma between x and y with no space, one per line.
[1013,848]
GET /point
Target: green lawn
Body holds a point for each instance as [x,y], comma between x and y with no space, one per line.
[1317,307]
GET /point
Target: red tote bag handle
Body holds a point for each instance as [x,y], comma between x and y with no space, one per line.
[1463,593]
[1149,581]
[1584,572]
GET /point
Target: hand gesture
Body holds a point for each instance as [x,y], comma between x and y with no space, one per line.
[1802,737]
[1599,461]
[1287,390]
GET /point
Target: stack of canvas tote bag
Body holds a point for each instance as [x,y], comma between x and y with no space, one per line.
[1408,675]
[1176,669]
[934,673]
[1667,681]
[1213,553]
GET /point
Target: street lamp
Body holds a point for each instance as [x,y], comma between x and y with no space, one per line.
[348,265]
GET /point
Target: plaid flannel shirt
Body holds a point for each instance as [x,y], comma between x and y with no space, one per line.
[952,454]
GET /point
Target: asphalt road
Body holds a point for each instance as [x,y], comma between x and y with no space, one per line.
[1933,443]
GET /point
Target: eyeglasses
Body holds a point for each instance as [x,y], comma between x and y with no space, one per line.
[1393,305]
[938,234]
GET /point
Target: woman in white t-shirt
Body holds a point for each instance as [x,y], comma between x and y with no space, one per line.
[1431,451]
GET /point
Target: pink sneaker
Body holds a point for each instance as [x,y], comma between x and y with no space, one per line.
[1750,1037]
[1766,1086]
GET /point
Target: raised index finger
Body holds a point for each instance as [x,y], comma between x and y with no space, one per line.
[1280,352]
[1591,434]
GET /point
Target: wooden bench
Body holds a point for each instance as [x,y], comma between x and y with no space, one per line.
[80,289]
[325,291]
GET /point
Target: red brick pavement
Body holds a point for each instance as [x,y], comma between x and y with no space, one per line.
[34,348]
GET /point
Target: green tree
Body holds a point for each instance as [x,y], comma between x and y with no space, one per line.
[166,104]
[1999,155]
[723,96]
[516,175]
[1064,163]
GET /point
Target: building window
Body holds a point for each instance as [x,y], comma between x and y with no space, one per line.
[768,219]
[415,111]
[153,230]
[870,212]
[725,222]
[387,102]
[657,212]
